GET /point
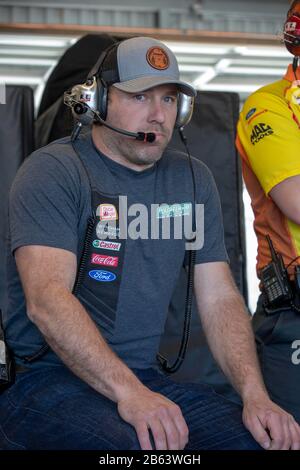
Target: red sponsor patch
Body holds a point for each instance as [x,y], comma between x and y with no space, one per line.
[105,260]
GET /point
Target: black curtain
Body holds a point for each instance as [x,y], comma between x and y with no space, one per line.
[16,142]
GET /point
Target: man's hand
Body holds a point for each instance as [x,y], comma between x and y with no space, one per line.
[146,410]
[271,426]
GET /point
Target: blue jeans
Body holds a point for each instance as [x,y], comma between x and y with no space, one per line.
[51,408]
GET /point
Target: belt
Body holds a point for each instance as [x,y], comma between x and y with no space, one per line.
[284,305]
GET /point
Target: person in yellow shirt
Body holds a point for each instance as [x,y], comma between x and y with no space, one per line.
[268,141]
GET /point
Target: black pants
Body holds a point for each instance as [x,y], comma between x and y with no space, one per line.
[278,346]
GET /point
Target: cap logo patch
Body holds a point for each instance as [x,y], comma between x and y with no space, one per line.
[157,58]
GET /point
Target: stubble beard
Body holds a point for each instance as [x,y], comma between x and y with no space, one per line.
[129,149]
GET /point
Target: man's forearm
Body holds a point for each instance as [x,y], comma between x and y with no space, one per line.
[229,332]
[74,337]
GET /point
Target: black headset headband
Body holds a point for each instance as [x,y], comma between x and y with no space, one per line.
[109,76]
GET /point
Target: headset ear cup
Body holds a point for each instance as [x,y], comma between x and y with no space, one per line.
[102,99]
[185,106]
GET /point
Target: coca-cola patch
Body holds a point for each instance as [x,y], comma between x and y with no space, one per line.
[105,260]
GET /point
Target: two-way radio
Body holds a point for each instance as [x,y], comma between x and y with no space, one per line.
[275,281]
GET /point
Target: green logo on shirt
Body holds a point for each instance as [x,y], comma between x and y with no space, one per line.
[175,210]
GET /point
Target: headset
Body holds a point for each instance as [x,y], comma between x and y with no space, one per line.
[89,101]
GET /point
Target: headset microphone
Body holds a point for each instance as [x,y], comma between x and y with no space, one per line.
[84,113]
[141,136]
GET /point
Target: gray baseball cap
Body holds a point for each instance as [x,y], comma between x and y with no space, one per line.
[142,63]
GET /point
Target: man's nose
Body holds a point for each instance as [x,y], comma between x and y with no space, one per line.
[157,112]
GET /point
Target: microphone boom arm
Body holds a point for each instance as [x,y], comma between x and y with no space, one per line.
[80,108]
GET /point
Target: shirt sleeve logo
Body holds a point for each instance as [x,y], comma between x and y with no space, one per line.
[250,113]
[259,132]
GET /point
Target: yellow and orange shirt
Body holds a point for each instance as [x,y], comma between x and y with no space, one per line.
[268,140]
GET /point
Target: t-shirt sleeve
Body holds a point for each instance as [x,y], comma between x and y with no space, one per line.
[44,205]
[269,134]
[210,230]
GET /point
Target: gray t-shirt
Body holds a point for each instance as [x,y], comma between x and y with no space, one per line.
[50,203]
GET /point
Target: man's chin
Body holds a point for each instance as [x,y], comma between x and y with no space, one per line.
[151,155]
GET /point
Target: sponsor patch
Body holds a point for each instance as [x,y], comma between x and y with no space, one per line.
[105,260]
[104,230]
[157,58]
[174,210]
[250,113]
[114,246]
[259,132]
[102,276]
[107,212]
